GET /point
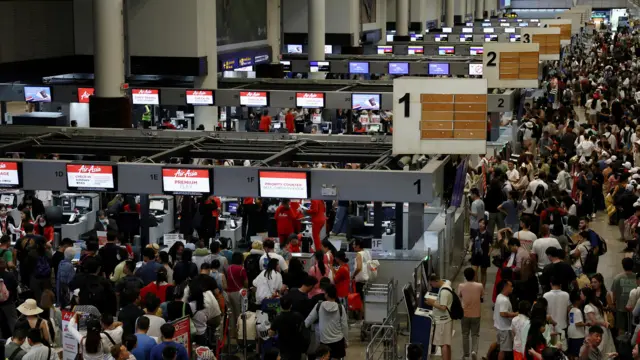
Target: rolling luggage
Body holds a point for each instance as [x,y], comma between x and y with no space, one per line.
[624,341]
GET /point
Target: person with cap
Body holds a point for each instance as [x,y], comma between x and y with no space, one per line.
[30,319]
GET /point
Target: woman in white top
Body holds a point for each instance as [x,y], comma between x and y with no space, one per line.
[93,345]
[528,204]
[594,313]
[269,283]
[203,306]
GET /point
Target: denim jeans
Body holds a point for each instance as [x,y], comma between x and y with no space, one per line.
[340,224]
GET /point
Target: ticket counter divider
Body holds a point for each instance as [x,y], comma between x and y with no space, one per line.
[282,92]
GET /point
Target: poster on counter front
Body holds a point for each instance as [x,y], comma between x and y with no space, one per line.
[69,343]
[183,333]
[102,238]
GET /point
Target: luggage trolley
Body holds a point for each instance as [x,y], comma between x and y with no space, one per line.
[378,303]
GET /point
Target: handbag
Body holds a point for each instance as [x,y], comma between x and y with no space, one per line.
[354,302]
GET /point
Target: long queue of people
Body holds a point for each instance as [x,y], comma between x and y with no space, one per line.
[530,217]
[128,307]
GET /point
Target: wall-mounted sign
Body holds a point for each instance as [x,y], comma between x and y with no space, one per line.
[186,181]
[145,96]
[84,94]
[310,100]
[9,174]
[284,184]
[254,98]
[91,177]
[199,97]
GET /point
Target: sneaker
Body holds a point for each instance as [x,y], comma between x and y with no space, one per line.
[474,356]
[593,216]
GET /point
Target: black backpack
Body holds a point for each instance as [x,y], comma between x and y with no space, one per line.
[455,311]
[554,218]
[253,267]
[93,294]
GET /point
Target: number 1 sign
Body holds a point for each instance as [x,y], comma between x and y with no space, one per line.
[434,116]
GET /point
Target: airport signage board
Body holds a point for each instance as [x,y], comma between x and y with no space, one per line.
[145,96]
[186,181]
[94,177]
[199,97]
[284,184]
[511,65]
[84,94]
[254,98]
[313,100]
[9,174]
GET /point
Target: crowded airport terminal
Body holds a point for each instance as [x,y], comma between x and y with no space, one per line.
[179,179]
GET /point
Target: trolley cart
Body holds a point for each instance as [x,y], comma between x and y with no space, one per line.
[378,302]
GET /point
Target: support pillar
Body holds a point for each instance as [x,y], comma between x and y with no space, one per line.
[316,14]
[450,12]
[489,7]
[207,115]
[382,12]
[355,24]
[479,9]
[274,29]
[402,17]
[439,13]
[109,107]
[463,10]
[415,223]
[399,243]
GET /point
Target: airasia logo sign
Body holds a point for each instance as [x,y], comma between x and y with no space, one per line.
[187,173]
[89,169]
[84,94]
[200,93]
[3,166]
[310,100]
[253,94]
[145,91]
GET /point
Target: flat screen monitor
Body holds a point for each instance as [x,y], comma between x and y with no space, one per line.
[93,177]
[446,50]
[157,205]
[318,66]
[399,68]
[514,37]
[510,30]
[390,37]
[199,97]
[467,30]
[284,184]
[385,50]
[412,37]
[10,175]
[37,94]
[523,24]
[185,181]
[232,207]
[277,125]
[286,65]
[490,37]
[83,203]
[438,69]
[532,20]
[466,38]
[254,98]
[7,199]
[84,94]
[446,30]
[476,50]
[469,24]
[365,101]
[358,67]
[504,25]
[486,24]
[145,96]
[488,30]
[441,38]
[415,50]
[328,49]
[475,69]
[294,49]
[503,20]
[419,37]
[313,100]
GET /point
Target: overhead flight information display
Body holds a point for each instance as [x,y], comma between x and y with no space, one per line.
[186,181]
[284,184]
[9,174]
[91,177]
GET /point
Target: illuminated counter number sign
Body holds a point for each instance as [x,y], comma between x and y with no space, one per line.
[10,176]
[186,181]
[284,184]
[91,177]
[440,116]
[511,65]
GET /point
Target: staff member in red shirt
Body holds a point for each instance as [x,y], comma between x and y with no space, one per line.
[289,120]
[43,228]
[216,212]
[295,207]
[318,221]
[285,219]
[341,277]
[265,122]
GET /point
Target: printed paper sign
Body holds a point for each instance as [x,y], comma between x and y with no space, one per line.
[170,239]
[90,176]
[200,97]
[310,100]
[84,94]
[183,333]
[186,181]
[145,96]
[253,98]
[9,174]
[69,343]
[283,184]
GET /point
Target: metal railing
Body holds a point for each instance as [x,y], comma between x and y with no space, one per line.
[384,338]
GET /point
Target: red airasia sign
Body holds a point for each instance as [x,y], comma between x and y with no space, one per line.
[84,94]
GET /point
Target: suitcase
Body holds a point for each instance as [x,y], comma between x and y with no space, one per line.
[624,342]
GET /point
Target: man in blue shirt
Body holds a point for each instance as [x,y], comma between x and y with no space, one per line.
[167,340]
[594,238]
[145,342]
[147,272]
